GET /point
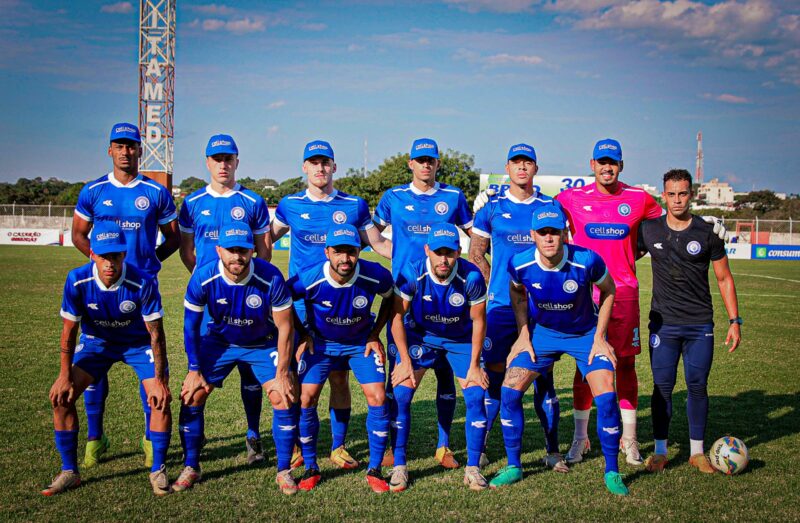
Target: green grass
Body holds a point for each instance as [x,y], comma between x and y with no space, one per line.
[754,395]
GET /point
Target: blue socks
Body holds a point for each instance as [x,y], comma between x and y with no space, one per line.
[545,402]
[402,423]
[191,424]
[377,434]
[252,398]
[512,420]
[67,445]
[475,425]
[492,399]
[160,447]
[445,403]
[608,428]
[284,433]
[309,432]
[146,408]
[340,420]
[94,398]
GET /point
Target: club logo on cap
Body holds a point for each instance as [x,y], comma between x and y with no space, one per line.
[441,208]
[127,306]
[521,148]
[444,232]
[624,209]
[235,232]
[142,203]
[253,301]
[693,247]
[456,299]
[359,302]
[570,286]
[339,217]
[237,213]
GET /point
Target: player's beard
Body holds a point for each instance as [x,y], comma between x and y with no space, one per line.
[443,273]
[344,273]
[236,267]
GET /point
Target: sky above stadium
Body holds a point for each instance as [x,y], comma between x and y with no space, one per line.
[476,75]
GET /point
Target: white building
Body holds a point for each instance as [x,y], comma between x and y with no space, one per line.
[716,192]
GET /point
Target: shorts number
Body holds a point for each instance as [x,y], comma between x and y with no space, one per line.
[378,363]
[274,356]
[149,353]
[635,341]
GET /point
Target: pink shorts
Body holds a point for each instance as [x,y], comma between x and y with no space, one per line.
[623,330]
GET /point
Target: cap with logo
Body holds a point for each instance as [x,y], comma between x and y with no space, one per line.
[522,149]
[344,234]
[221,144]
[443,235]
[125,131]
[424,147]
[235,235]
[107,237]
[318,148]
[548,215]
[607,148]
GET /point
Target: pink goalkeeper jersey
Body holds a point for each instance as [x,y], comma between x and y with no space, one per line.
[608,224]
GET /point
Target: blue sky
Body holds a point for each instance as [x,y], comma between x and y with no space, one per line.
[476,75]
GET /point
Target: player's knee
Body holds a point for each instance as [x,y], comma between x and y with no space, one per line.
[197,399]
[375,397]
[309,399]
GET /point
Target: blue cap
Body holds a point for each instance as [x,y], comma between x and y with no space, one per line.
[125,131]
[317,148]
[443,235]
[424,147]
[344,234]
[236,235]
[548,215]
[107,237]
[522,149]
[221,144]
[607,148]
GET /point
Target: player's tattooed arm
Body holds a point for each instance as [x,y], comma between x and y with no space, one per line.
[519,304]
[284,382]
[159,395]
[172,240]
[405,369]
[518,378]
[478,247]
[61,393]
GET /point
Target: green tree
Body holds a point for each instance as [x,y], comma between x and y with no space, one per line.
[191,184]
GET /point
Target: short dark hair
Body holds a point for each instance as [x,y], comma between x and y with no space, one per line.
[678,175]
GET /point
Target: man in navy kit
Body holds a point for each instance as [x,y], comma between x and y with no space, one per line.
[551,294]
[251,322]
[505,223]
[412,210]
[141,207]
[338,296]
[682,246]
[440,313]
[202,214]
[111,301]
[306,214]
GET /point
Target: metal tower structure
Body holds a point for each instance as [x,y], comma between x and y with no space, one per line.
[698,170]
[157,88]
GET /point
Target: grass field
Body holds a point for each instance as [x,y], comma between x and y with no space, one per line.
[755,394]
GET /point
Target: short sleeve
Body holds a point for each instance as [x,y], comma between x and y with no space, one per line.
[84,208]
[406,285]
[71,306]
[363,218]
[651,207]
[475,288]
[166,207]
[296,287]
[482,226]
[261,219]
[279,293]
[513,274]
[385,284]
[716,246]
[463,214]
[151,301]
[383,212]
[185,221]
[195,298]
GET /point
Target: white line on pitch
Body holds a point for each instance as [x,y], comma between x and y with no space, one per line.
[763,276]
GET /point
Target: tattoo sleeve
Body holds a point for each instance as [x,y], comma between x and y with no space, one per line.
[158,343]
[478,246]
[515,376]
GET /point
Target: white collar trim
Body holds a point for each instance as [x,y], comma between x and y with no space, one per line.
[429,192]
[114,286]
[231,282]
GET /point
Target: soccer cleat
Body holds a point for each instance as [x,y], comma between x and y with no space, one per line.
[399,480]
[615,485]
[147,447]
[701,463]
[555,461]
[507,475]
[286,482]
[255,454]
[630,447]
[187,479]
[474,479]
[310,479]
[342,459]
[484,461]
[656,463]
[297,458]
[388,459]
[579,448]
[94,451]
[65,480]
[446,458]
[159,482]
[376,481]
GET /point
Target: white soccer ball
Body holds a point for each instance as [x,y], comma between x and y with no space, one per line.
[729,455]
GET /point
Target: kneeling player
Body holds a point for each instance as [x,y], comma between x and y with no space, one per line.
[551,294]
[338,295]
[445,298]
[251,322]
[111,301]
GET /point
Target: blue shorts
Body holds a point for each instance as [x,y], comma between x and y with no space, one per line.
[95,356]
[217,361]
[501,333]
[315,368]
[441,354]
[550,345]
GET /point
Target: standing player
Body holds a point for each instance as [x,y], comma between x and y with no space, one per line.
[551,294]
[251,322]
[111,301]
[412,210]
[504,221]
[440,313]
[141,207]
[682,314]
[202,214]
[338,295]
[306,213]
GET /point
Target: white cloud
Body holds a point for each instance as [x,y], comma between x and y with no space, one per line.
[213,9]
[240,26]
[276,104]
[498,6]
[313,27]
[505,58]
[726,98]
[118,8]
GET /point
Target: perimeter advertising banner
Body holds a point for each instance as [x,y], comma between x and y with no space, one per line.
[545,184]
[776,252]
[30,237]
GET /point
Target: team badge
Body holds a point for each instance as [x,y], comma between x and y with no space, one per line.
[487,344]
[359,302]
[411,324]
[142,203]
[441,208]
[415,351]
[624,209]
[237,213]
[78,348]
[253,301]
[693,247]
[570,286]
[456,299]
[301,367]
[127,306]
[392,350]
[339,217]
[655,341]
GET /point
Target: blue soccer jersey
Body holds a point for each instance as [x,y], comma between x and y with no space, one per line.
[310,218]
[411,213]
[560,299]
[506,220]
[138,207]
[339,315]
[204,211]
[114,314]
[441,310]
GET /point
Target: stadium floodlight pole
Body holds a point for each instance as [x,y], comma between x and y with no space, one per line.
[157,88]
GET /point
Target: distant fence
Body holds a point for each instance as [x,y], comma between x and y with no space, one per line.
[765,232]
[13,216]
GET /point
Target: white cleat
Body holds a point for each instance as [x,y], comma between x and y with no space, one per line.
[474,479]
[579,448]
[630,447]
